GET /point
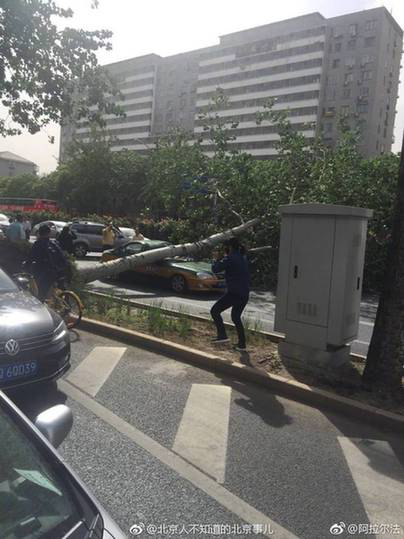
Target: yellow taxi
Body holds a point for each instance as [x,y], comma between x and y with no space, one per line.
[180,273]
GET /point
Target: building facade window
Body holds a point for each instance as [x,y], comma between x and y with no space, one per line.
[362,107]
[367,75]
[370,25]
[364,92]
[348,78]
[369,41]
[350,62]
[346,93]
[345,109]
[338,46]
[353,29]
[367,59]
[331,93]
[351,44]
[336,63]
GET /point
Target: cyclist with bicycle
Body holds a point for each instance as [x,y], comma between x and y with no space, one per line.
[47,263]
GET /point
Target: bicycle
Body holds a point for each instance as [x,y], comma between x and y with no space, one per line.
[65,302]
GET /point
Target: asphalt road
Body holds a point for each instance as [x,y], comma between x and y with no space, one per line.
[161,442]
[260,310]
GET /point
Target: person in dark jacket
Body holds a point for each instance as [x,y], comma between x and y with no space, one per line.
[47,262]
[237,276]
[66,239]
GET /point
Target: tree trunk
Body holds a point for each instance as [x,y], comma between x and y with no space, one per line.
[114,267]
[385,356]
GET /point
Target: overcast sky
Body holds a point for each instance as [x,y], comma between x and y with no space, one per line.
[168,27]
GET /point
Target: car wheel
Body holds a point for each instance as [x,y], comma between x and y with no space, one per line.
[178,284]
[80,250]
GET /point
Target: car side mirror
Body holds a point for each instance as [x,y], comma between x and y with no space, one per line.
[55,423]
[23,283]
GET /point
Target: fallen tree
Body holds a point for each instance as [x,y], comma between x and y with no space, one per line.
[114,267]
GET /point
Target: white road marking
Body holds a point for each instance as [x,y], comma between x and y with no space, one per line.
[213,489]
[202,434]
[379,478]
[94,370]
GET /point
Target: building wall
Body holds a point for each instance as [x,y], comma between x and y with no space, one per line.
[317,69]
[362,74]
[9,167]
[281,61]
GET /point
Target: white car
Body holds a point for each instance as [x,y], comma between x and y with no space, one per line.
[4,222]
[55,226]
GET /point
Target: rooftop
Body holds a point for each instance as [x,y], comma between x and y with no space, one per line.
[9,156]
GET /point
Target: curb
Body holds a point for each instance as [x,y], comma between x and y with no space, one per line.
[288,388]
[273,337]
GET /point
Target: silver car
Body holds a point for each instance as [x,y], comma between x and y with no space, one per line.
[40,496]
[55,226]
[89,237]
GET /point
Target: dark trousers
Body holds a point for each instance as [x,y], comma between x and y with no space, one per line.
[237,303]
[107,247]
[44,283]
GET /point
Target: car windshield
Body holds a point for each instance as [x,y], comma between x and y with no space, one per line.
[6,283]
[34,502]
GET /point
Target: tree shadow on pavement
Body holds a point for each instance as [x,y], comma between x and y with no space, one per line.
[260,402]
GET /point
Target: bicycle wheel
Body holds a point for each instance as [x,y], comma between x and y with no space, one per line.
[71,310]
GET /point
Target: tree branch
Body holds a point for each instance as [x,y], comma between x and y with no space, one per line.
[114,267]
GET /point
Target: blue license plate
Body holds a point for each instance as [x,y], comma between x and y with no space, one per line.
[11,371]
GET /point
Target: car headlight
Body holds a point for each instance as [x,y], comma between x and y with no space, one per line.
[204,275]
[60,332]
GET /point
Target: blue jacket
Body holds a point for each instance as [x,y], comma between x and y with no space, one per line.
[236,272]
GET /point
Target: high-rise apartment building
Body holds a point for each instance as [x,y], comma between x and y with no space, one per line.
[316,69]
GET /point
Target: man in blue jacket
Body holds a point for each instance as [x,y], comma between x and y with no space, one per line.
[237,276]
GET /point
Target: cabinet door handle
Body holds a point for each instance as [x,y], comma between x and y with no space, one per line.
[358,282]
[295,272]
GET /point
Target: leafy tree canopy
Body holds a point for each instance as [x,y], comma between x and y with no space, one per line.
[47,74]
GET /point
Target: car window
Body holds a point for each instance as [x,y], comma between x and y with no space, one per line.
[132,249]
[34,501]
[80,229]
[6,285]
[95,230]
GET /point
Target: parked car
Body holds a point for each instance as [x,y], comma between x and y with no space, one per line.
[181,274]
[4,222]
[89,237]
[34,341]
[40,496]
[55,226]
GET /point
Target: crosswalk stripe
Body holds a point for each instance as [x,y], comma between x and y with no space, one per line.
[95,369]
[202,434]
[217,492]
[376,472]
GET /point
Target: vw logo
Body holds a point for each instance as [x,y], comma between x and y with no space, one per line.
[12,347]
